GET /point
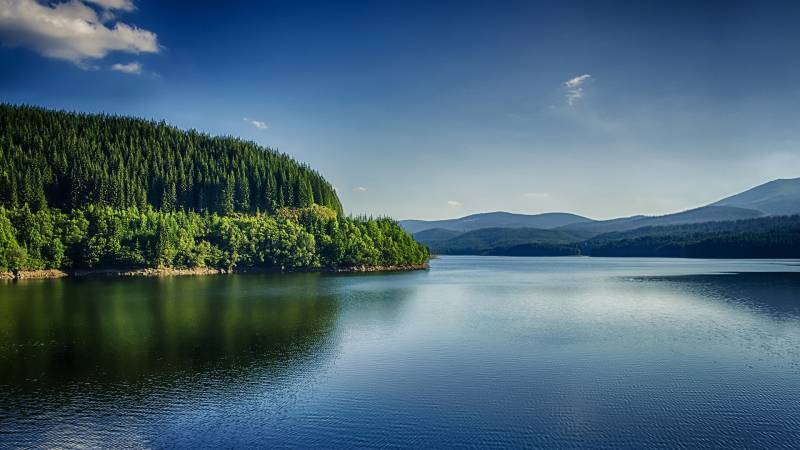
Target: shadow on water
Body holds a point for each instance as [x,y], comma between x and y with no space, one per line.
[776,294]
[104,331]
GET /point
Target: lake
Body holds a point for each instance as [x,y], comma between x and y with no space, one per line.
[475,352]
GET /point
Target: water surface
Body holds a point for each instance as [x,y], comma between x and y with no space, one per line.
[477,351]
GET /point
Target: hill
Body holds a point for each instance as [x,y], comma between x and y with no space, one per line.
[495,220]
[69,160]
[778,197]
[748,224]
[766,237]
[428,237]
[493,240]
[97,192]
[697,215]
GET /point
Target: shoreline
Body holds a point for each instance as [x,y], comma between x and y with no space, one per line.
[172,272]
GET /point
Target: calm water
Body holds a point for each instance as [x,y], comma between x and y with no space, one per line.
[476,352]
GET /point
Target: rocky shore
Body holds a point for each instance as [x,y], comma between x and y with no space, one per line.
[170,272]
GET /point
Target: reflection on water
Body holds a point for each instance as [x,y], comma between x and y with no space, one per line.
[128,330]
[486,352]
[776,294]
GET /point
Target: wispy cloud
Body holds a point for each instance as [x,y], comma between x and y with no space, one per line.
[360,189]
[131,67]
[453,203]
[256,123]
[122,5]
[574,88]
[536,195]
[72,30]
[109,6]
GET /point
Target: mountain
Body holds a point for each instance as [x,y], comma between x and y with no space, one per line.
[495,220]
[697,215]
[763,237]
[778,197]
[666,235]
[775,198]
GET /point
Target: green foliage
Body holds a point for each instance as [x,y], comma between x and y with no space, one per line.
[97,191]
[70,161]
[104,237]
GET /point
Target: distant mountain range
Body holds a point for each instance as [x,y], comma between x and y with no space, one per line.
[698,215]
[559,233]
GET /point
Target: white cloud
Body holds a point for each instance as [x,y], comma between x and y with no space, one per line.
[574,87]
[360,189]
[536,195]
[131,67]
[257,123]
[109,6]
[453,203]
[72,30]
[577,81]
[122,5]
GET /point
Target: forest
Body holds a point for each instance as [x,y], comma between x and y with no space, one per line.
[104,237]
[81,191]
[70,160]
[764,237]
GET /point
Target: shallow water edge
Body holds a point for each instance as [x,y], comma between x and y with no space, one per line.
[170,272]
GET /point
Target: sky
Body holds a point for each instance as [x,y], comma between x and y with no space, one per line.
[434,110]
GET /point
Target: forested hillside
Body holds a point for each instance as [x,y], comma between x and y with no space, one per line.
[765,237]
[768,237]
[80,191]
[68,160]
[496,241]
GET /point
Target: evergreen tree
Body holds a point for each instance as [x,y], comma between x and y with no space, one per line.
[68,160]
[94,191]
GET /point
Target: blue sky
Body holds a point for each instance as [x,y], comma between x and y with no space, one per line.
[441,109]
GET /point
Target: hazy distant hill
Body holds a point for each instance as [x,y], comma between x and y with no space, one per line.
[697,215]
[435,235]
[775,198]
[733,221]
[496,220]
[764,237]
[778,197]
[492,240]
